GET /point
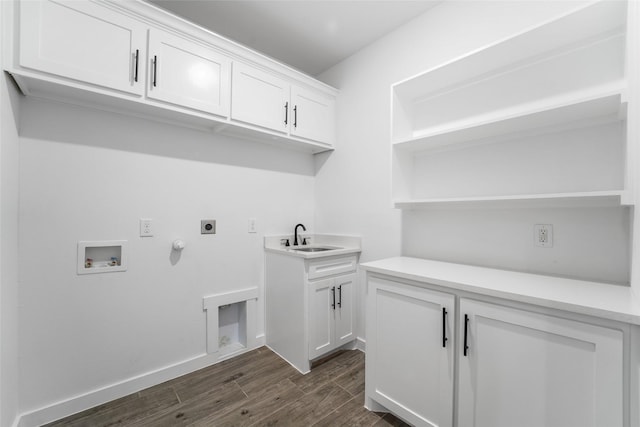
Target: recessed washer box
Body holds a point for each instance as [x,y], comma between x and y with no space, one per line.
[105,256]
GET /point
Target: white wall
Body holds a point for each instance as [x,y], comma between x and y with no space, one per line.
[91,175]
[8,251]
[9,151]
[353,184]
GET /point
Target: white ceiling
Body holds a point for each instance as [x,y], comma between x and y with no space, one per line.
[310,35]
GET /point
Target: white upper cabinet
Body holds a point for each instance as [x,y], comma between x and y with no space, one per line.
[188,74]
[313,115]
[263,99]
[260,98]
[131,57]
[85,42]
[537,118]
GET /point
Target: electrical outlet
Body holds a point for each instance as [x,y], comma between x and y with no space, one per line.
[543,235]
[252,225]
[208,226]
[146,227]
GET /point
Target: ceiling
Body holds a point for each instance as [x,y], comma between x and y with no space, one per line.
[310,35]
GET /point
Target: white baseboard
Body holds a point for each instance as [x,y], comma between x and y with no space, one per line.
[99,396]
[361,344]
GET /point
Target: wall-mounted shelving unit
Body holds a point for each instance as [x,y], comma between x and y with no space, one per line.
[535,119]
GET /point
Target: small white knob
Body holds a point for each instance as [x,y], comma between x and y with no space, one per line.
[178,245]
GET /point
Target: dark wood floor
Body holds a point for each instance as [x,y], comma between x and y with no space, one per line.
[257,388]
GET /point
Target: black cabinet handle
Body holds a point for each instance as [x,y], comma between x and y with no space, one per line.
[333,291]
[340,296]
[135,74]
[155,70]
[295,116]
[466,328]
[286,113]
[444,327]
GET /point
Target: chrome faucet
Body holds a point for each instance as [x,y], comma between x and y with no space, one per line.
[295,235]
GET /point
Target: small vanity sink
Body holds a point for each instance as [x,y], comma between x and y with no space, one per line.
[314,249]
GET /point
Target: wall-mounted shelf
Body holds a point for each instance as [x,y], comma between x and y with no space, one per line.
[534,119]
[106,256]
[583,199]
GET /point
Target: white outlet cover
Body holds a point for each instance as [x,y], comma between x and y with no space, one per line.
[543,235]
[146,227]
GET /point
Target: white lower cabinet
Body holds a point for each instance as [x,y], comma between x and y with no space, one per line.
[409,360]
[515,367]
[331,314]
[529,369]
[310,305]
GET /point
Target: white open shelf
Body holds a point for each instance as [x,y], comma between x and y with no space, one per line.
[582,199]
[535,119]
[603,104]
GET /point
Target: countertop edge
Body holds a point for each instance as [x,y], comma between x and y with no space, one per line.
[612,302]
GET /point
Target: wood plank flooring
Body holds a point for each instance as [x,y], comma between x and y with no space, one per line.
[257,388]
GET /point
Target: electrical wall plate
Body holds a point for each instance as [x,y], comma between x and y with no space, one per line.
[543,235]
[208,226]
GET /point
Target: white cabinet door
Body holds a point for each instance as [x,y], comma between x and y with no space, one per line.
[343,313]
[260,98]
[187,74]
[321,300]
[83,41]
[313,116]
[410,363]
[526,369]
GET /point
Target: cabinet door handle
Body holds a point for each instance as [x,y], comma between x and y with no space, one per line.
[135,73]
[466,333]
[295,116]
[333,292]
[340,296]
[444,327]
[286,113]
[155,70]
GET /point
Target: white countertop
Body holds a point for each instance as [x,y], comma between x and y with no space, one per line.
[344,245]
[602,300]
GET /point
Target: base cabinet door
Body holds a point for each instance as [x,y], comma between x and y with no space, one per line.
[187,74]
[343,314]
[321,295]
[518,368]
[330,314]
[409,359]
[67,39]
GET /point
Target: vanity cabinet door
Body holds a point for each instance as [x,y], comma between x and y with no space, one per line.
[84,42]
[409,359]
[528,369]
[343,314]
[321,301]
[187,74]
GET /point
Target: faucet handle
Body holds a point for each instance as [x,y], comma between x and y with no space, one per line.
[304,240]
